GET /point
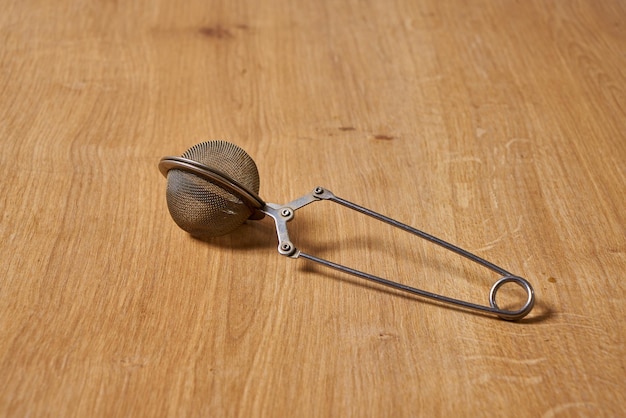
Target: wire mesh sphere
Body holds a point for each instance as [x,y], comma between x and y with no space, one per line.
[205,209]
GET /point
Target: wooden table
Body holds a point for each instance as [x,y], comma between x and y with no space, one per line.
[499,126]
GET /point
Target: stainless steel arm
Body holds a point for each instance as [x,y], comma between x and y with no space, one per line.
[283,214]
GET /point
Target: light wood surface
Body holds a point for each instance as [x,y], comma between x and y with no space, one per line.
[497,125]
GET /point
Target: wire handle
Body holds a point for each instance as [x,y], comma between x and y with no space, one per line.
[285,213]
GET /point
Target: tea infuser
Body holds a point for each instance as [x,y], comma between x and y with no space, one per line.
[213,188]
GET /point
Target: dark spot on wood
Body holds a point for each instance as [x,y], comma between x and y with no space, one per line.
[242,26]
[347,128]
[551,279]
[217,32]
[384,137]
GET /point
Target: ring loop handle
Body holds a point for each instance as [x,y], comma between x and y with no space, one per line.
[524,310]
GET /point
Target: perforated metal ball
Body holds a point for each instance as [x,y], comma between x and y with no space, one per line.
[205,209]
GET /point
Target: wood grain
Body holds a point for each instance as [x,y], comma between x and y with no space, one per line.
[497,125]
